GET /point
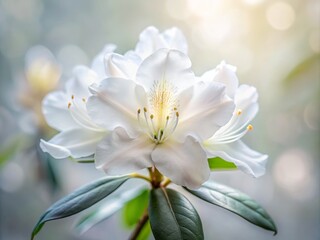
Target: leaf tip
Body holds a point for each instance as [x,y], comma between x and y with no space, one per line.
[275,230]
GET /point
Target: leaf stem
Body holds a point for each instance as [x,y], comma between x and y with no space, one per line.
[143,220]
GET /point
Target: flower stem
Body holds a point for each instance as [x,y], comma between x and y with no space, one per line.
[143,220]
[165,182]
[137,175]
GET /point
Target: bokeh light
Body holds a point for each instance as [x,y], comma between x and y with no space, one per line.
[275,46]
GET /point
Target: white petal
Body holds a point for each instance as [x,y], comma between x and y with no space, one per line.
[174,39]
[98,64]
[246,159]
[148,40]
[78,86]
[170,65]
[207,109]
[225,74]
[151,40]
[56,113]
[246,100]
[119,154]
[121,66]
[245,96]
[115,104]
[75,143]
[184,163]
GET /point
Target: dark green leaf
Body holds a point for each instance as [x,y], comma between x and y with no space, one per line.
[235,202]
[172,216]
[106,210]
[220,164]
[79,200]
[134,209]
[89,159]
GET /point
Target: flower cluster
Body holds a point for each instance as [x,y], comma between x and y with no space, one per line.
[147,108]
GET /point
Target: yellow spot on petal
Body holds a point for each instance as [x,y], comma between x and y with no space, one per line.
[83,100]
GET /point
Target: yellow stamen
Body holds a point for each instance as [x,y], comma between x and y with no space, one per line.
[239,112]
[69,104]
[250,127]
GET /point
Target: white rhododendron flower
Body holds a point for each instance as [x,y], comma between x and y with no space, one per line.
[159,119]
[226,143]
[146,108]
[66,112]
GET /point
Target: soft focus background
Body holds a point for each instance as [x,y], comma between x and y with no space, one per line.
[275,46]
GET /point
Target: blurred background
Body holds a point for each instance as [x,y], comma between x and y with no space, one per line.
[275,46]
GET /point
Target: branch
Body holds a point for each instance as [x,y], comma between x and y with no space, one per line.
[143,220]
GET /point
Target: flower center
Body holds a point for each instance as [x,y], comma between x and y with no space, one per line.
[161,118]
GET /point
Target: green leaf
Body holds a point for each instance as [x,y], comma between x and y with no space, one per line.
[218,163]
[172,216]
[304,66]
[8,150]
[145,232]
[236,202]
[134,209]
[47,168]
[79,200]
[106,210]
